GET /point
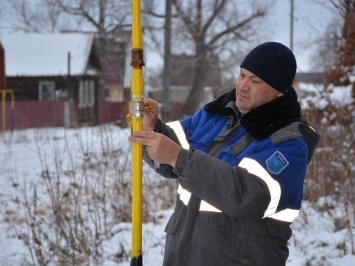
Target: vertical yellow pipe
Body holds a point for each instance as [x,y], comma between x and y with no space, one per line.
[137,110]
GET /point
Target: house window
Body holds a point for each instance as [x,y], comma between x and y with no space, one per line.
[46,90]
[86,93]
[107,93]
[91,92]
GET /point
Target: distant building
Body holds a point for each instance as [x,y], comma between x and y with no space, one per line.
[46,67]
[58,68]
[181,80]
[311,77]
[303,81]
[118,51]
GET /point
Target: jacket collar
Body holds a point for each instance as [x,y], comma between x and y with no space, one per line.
[263,120]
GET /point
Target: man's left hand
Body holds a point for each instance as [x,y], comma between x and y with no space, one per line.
[159,147]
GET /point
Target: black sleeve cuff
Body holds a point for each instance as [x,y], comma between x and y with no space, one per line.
[182,161]
[158,127]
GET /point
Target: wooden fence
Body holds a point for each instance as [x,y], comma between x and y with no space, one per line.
[33,114]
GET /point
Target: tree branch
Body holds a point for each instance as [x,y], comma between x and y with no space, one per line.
[188,22]
[217,9]
[233,28]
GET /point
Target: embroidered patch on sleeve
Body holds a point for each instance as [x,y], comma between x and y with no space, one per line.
[276,163]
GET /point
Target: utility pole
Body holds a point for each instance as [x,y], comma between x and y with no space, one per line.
[291,27]
[69,89]
[2,68]
[295,83]
[3,87]
[67,104]
[167,62]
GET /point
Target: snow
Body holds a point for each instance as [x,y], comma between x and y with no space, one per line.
[32,54]
[24,154]
[316,94]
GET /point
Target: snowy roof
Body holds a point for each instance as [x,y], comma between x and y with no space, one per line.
[36,54]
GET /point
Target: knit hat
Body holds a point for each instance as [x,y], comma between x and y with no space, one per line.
[274,63]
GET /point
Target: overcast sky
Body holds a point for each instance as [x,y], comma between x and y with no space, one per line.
[310,20]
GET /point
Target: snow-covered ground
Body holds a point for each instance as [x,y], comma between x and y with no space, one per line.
[25,154]
[314,237]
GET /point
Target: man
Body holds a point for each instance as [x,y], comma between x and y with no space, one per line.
[241,162]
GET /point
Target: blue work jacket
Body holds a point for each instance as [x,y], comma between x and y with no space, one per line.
[236,207]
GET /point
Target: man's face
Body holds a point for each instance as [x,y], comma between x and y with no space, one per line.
[252,92]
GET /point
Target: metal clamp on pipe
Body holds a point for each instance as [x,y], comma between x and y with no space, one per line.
[137,107]
[137,57]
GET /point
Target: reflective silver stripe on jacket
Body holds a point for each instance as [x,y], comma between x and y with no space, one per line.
[253,167]
[180,133]
[185,196]
[204,206]
[287,215]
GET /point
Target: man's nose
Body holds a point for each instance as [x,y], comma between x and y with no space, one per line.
[244,85]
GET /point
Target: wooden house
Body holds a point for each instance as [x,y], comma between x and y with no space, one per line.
[55,67]
[117,66]
[182,71]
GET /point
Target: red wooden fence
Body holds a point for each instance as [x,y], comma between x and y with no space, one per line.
[32,114]
[112,111]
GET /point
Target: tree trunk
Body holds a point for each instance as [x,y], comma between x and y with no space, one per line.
[167,62]
[196,94]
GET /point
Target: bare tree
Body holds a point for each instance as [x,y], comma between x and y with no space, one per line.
[211,30]
[328,46]
[31,16]
[107,18]
[344,67]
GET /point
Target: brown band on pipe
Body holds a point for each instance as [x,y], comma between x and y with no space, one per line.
[137,57]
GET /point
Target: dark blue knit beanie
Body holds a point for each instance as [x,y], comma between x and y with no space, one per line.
[274,63]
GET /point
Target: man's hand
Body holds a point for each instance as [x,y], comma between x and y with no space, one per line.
[159,147]
[150,118]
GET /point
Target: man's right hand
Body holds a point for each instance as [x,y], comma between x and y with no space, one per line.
[150,118]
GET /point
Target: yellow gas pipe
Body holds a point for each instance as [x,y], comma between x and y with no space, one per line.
[137,110]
